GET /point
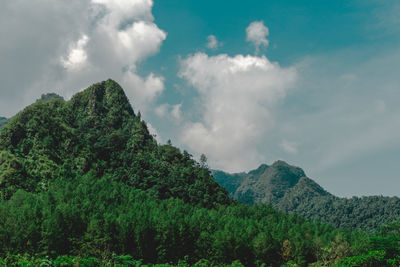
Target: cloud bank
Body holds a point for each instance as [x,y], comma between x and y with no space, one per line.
[237,96]
[64,46]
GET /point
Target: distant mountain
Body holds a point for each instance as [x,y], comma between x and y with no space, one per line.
[83,181]
[288,189]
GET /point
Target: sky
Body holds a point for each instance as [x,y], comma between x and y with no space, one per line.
[314,83]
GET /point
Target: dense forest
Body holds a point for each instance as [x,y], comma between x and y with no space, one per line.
[288,189]
[83,182]
[44,98]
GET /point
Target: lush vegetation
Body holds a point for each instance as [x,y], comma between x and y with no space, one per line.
[97,130]
[43,98]
[368,213]
[288,189]
[102,217]
[82,182]
[49,97]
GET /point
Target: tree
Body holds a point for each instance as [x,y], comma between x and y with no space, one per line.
[203,161]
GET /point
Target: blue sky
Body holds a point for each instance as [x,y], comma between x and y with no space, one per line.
[322,91]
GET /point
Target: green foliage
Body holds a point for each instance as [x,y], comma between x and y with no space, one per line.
[131,221]
[97,131]
[49,97]
[85,178]
[372,258]
[101,217]
[286,189]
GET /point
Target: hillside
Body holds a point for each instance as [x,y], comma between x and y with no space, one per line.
[97,131]
[83,183]
[288,189]
[44,98]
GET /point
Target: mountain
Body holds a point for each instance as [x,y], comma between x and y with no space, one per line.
[97,131]
[84,183]
[44,98]
[288,189]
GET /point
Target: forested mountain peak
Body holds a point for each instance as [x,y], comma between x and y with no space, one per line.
[261,169]
[97,133]
[287,188]
[282,171]
[85,178]
[268,183]
[101,99]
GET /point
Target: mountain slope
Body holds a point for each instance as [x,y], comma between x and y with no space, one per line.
[44,98]
[84,178]
[97,131]
[288,189]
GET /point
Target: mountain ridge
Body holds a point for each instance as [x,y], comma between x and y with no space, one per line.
[98,131]
[84,179]
[288,189]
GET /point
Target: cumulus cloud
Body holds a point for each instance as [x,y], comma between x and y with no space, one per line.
[142,90]
[132,36]
[161,110]
[257,33]
[153,132]
[237,95]
[176,111]
[63,47]
[173,111]
[77,55]
[212,42]
[124,11]
[289,147]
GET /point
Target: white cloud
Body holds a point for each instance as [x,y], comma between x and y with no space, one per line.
[176,111]
[124,36]
[132,36]
[129,25]
[161,110]
[212,42]
[289,147]
[257,33]
[135,42]
[125,11]
[153,132]
[64,47]
[237,95]
[173,111]
[142,91]
[77,56]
